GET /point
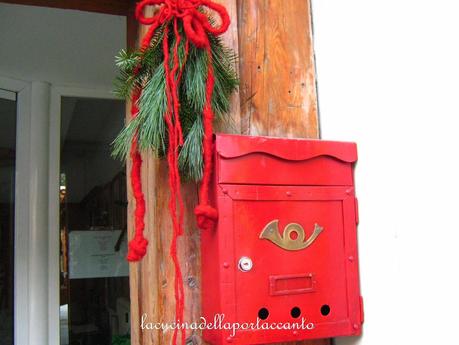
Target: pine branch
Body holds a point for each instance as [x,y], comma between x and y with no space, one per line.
[146,70]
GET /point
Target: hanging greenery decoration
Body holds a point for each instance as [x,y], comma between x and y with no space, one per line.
[145,69]
[179,80]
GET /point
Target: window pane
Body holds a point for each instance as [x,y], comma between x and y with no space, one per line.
[7,192]
[94,272]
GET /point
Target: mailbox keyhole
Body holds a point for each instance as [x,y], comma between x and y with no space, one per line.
[295,312]
[263,314]
[325,310]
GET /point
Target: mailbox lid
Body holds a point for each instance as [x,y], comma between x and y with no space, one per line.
[279,161]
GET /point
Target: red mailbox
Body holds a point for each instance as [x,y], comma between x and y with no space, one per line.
[285,247]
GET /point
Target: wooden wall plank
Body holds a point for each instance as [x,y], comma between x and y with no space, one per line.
[231,39]
[278,92]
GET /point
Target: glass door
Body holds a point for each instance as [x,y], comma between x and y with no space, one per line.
[8,110]
[94,282]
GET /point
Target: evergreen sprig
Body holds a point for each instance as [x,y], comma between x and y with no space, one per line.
[149,125]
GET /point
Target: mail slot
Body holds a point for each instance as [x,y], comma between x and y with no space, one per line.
[291,284]
[285,246]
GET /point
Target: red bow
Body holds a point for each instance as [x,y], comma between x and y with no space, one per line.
[195,23]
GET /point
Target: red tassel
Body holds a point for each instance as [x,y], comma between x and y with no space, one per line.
[206,215]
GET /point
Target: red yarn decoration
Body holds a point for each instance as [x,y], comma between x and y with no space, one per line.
[138,245]
[196,26]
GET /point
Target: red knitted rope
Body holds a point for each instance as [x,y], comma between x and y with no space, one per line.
[196,26]
[138,245]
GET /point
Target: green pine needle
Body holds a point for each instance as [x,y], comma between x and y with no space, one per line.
[190,157]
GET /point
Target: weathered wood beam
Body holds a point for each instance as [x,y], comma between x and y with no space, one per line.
[278,91]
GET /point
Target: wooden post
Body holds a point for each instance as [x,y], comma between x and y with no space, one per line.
[278,91]
[277,97]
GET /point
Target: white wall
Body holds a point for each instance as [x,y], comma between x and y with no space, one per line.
[388,76]
[63,47]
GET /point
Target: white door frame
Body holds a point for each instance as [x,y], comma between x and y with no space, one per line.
[36,252]
[23,208]
[54,173]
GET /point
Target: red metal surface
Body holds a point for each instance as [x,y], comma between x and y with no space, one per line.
[306,182]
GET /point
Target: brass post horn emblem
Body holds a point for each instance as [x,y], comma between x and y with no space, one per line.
[271,232]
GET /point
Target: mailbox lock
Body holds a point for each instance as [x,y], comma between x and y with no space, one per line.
[245,264]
